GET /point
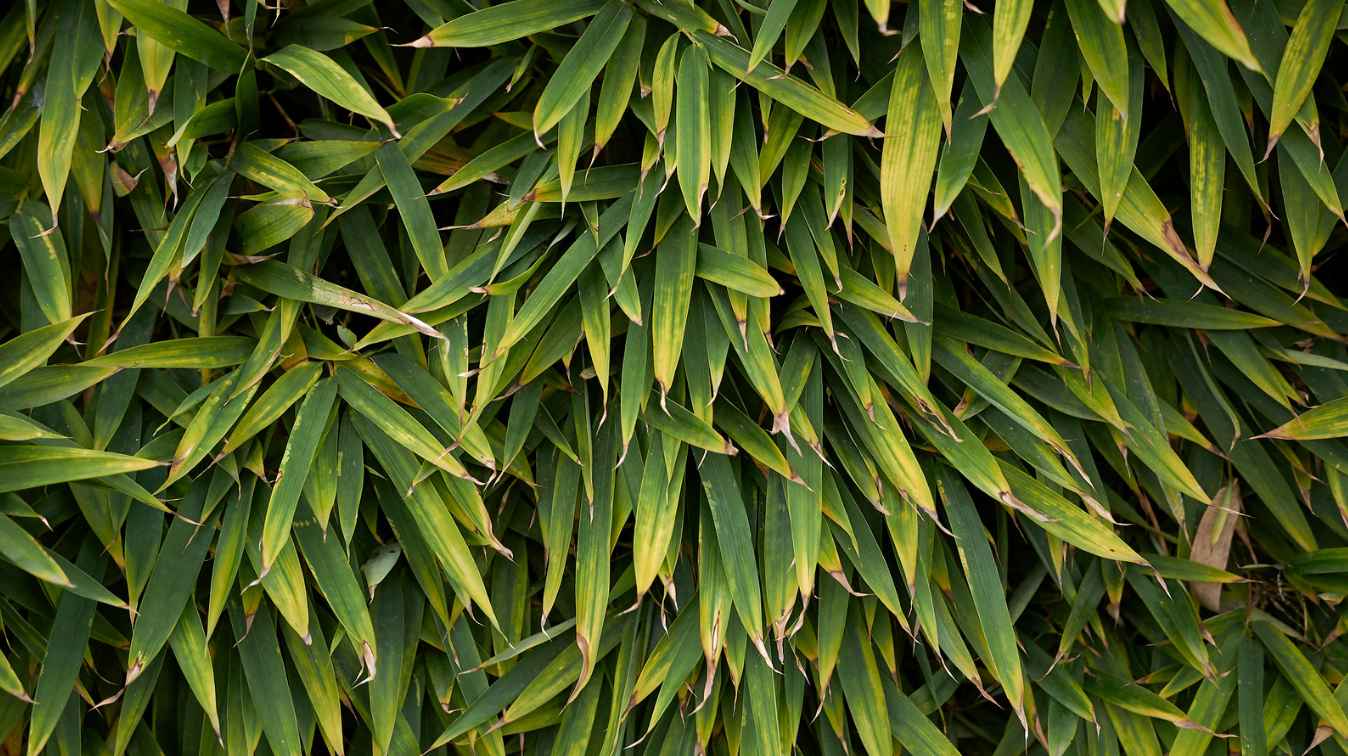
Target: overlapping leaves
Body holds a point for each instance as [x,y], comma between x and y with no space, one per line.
[581,376]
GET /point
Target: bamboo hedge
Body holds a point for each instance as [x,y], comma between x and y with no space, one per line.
[722,377]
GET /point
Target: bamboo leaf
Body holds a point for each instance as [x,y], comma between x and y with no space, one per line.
[182,33]
[507,21]
[321,74]
[582,65]
[1328,420]
[909,160]
[1215,23]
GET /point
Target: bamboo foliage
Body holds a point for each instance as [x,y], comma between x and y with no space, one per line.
[721,377]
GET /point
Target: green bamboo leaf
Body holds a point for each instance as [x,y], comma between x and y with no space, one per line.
[596,324]
[485,165]
[1250,701]
[1178,620]
[25,466]
[68,77]
[557,513]
[675,265]
[864,293]
[736,273]
[1207,165]
[60,666]
[182,33]
[1214,22]
[800,31]
[724,501]
[1104,50]
[1302,59]
[1207,710]
[1009,22]
[189,649]
[805,260]
[1066,521]
[1139,208]
[661,84]
[414,209]
[1174,568]
[203,352]
[600,183]
[279,396]
[259,654]
[784,88]
[693,135]
[908,161]
[593,568]
[324,77]
[968,328]
[28,350]
[426,133]
[387,690]
[442,535]
[395,421]
[265,225]
[271,171]
[890,450]
[283,585]
[674,420]
[747,435]
[619,75]
[971,372]
[570,141]
[939,32]
[960,155]
[863,689]
[1015,117]
[576,728]
[560,277]
[985,584]
[294,470]
[1328,420]
[322,32]
[774,21]
[1136,699]
[1186,314]
[46,264]
[212,420]
[1297,670]
[912,728]
[314,667]
[655,513]
[578,70]
[292,283]
[23,551]
[507,21]
[229,548]
[1116,136]
[20,428]
[9,681]
[169,589]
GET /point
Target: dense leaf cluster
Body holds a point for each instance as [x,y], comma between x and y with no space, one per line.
[739,376]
